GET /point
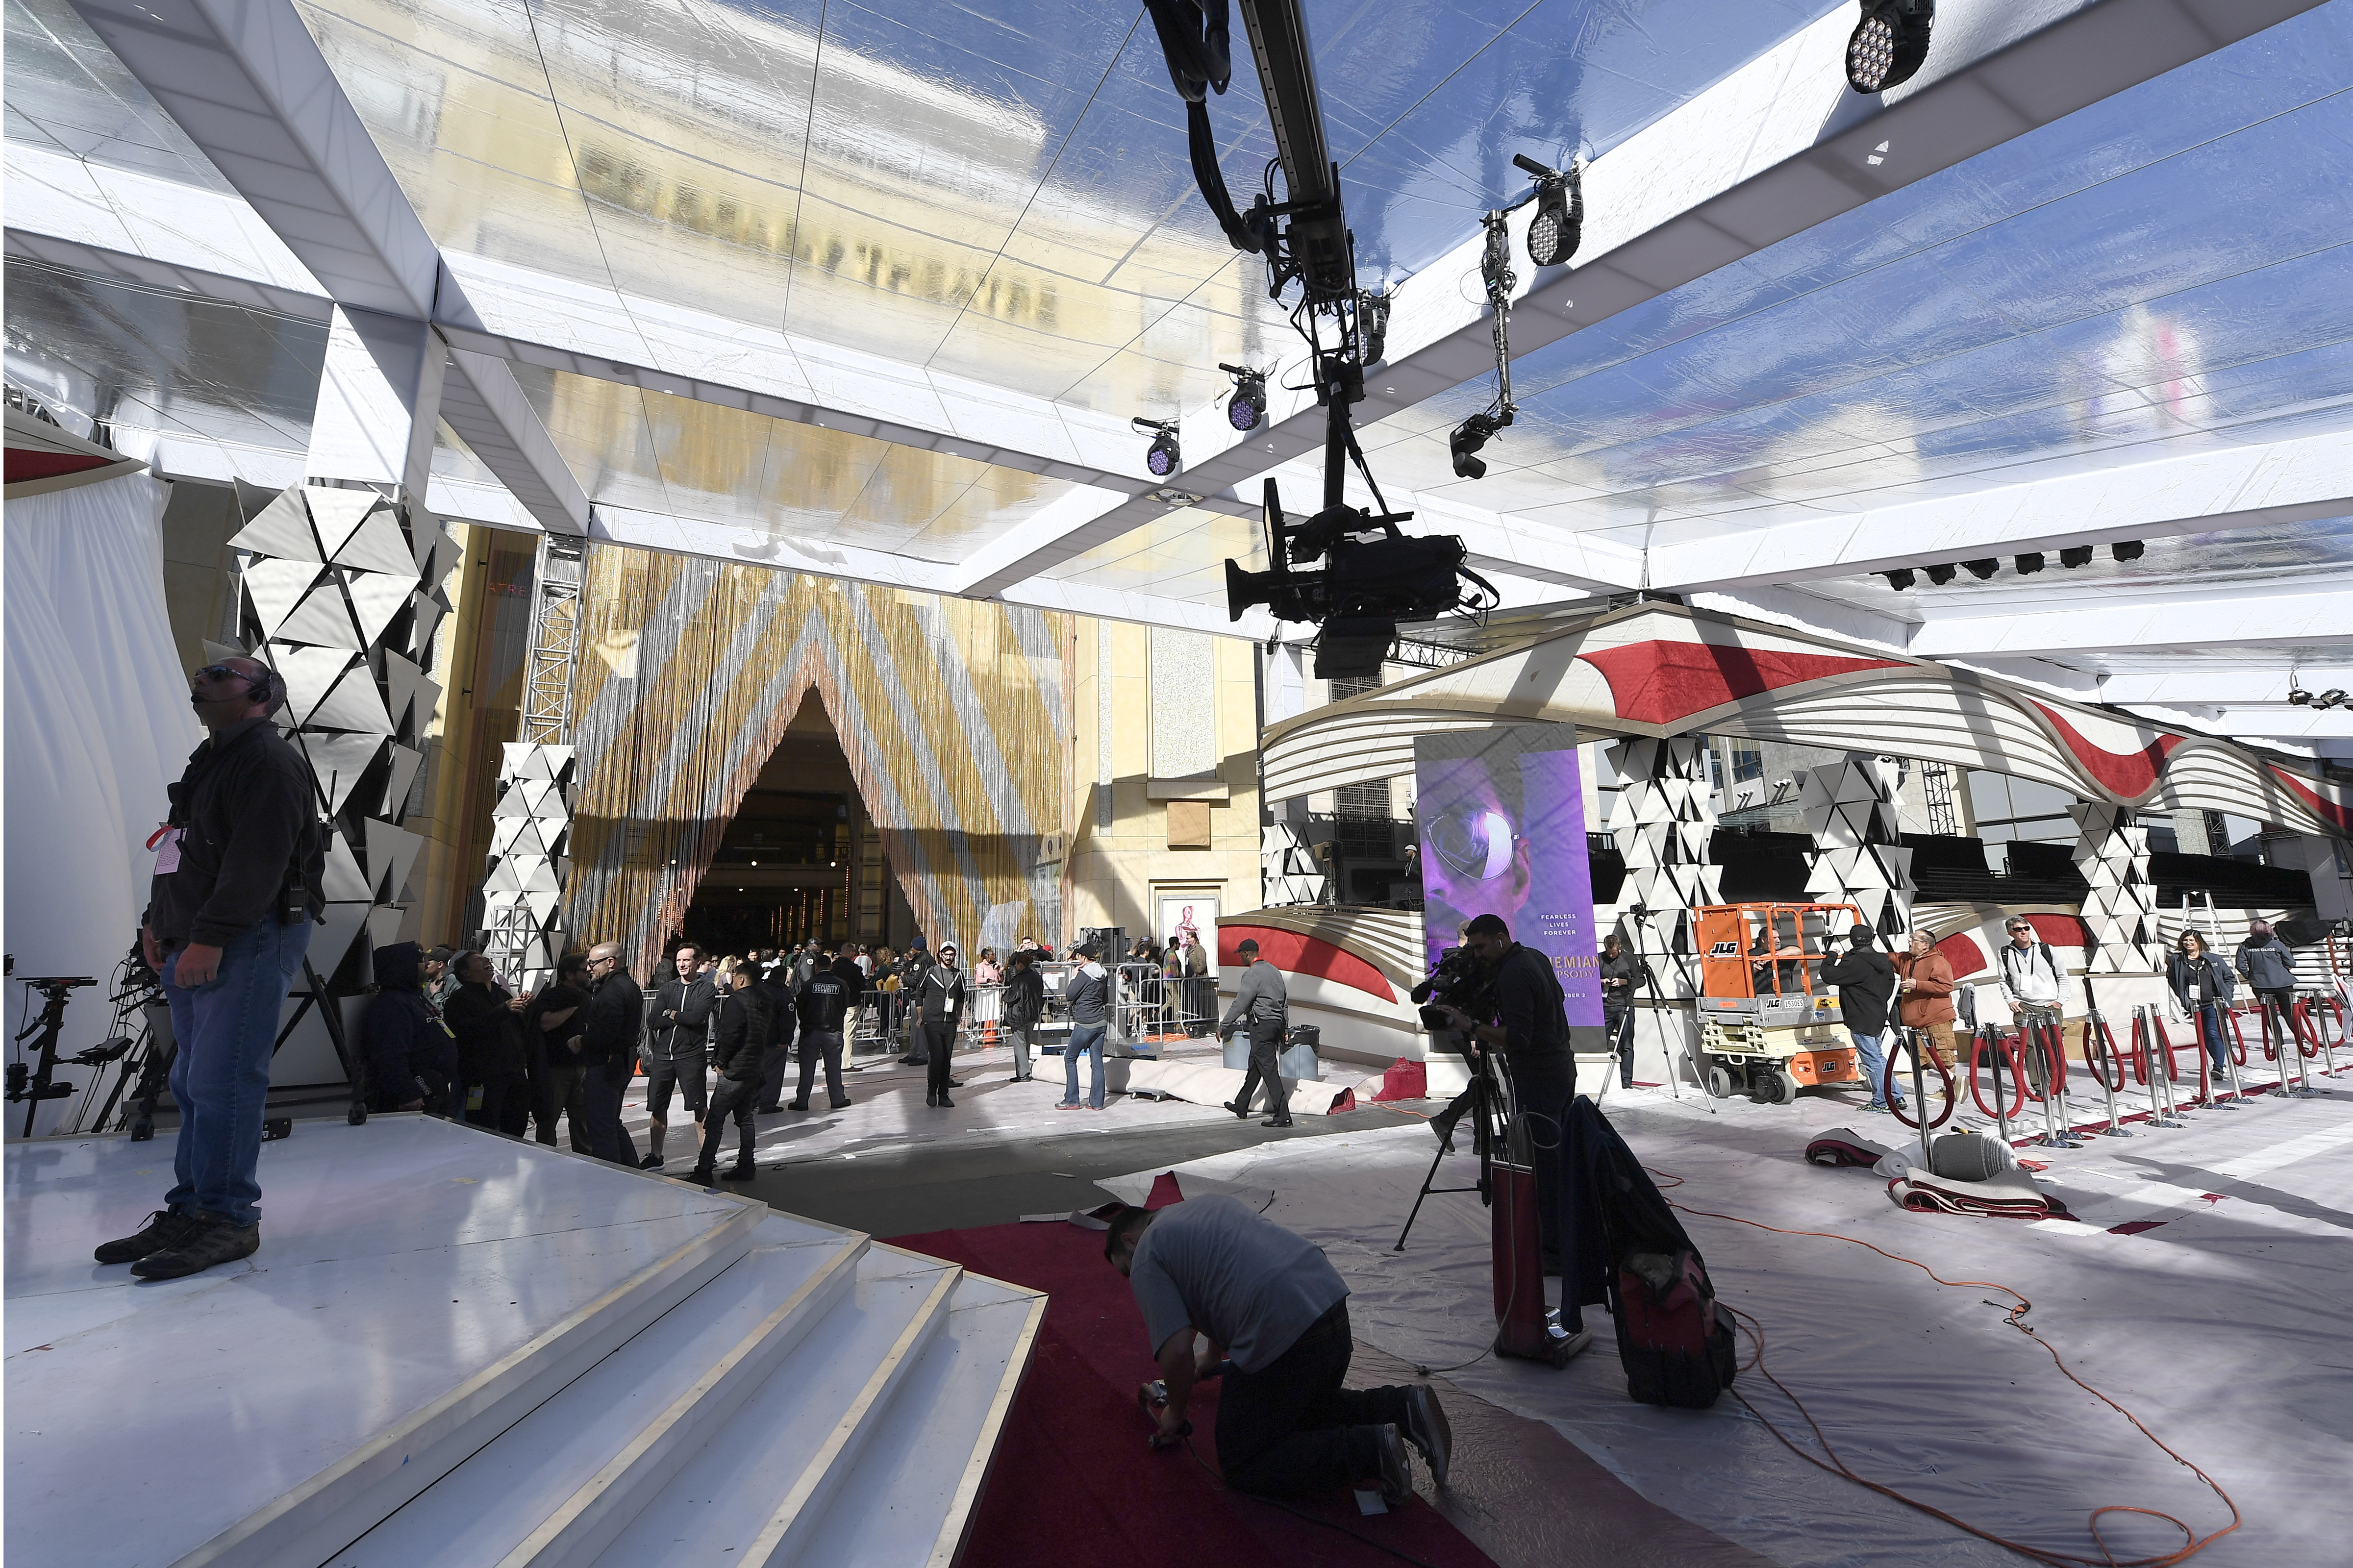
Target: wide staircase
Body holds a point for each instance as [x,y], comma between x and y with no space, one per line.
[818,1398]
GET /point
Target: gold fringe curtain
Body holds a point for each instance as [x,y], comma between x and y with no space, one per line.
[952,712]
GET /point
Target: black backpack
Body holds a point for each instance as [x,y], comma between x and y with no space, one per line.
[1676,1343]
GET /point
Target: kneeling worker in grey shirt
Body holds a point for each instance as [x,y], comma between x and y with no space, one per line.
[1273,1303]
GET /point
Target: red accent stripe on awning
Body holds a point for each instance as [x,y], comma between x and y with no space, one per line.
[1663,682]
[1296,955]
[31,463]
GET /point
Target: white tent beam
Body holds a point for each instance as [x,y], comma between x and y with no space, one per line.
[2311,613]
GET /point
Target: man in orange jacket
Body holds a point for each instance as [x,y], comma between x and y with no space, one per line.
[1924,990]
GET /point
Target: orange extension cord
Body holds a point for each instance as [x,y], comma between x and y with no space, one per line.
[2012,1316]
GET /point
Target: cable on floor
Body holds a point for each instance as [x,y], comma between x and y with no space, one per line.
[2013,1316]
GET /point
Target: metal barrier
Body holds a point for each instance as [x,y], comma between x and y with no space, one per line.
[2003,1050]
[2283,1047]
[2043,1039]
[2148,1029]
[2100,1058]
[2309,1008]
[1909,1040]
[2208,1100]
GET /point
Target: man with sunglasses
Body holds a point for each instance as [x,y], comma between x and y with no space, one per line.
[616,1018]
[235,891]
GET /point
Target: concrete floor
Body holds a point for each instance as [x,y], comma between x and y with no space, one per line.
[906,1189]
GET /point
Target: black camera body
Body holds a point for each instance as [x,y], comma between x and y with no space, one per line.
[1460,983]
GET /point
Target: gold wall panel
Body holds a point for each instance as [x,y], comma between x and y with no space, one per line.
[953,713]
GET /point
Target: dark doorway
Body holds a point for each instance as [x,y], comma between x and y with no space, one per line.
[800,858]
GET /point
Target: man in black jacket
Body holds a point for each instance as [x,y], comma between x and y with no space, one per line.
[1622,976]
[824,1000]
[739,1032]
[1024,1004]
[939,1003]
[1531,1029]
[412,1057]
[777,1050]
[235,891]
[558,1019]
[491,1057]
[1866,979]
[678,1039]
[608,1050]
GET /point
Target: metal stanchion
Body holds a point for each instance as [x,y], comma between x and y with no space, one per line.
[2097,1028]
[2056,1133]
[1919,1095]
[2229,1058]
[2291,1047]
[2312,1006]
[2162,1109]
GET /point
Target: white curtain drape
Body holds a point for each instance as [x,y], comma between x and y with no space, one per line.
[98,723]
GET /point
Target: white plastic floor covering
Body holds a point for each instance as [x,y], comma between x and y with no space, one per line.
[2223,1326]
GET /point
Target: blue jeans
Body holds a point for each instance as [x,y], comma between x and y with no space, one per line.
[2218,1044]
[1086,1039]
[225,1031]
[1867,1048]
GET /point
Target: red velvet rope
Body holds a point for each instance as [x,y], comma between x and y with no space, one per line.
[2003,1048]
[2141,1050]
[2095,1032]
[1887,1087]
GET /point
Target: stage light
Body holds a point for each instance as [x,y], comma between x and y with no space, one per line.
[2332,698]
[2029,564]
[1981,570]
[1373,325]
[1901,579]
[1940,575]
[2128,550]
[2075,556]
[1164,458]
[1468,437]
[1559,220]
[2299,696]
[1246,409]
[1889,44]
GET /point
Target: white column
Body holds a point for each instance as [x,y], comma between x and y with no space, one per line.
[379,402]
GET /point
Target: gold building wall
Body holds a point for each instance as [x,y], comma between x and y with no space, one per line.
[953,713]
[1126,858]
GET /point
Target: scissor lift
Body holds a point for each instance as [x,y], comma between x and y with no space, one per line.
[1768,1024]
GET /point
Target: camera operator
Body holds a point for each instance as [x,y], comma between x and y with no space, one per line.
[235,891]
[1530,1027]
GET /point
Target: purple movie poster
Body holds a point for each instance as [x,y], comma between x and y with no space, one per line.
[1501,817]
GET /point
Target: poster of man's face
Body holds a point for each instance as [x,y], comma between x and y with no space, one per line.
[1502,825]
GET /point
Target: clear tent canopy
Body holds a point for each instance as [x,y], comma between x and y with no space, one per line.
[935,258]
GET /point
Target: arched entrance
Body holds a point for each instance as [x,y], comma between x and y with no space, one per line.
[801,857]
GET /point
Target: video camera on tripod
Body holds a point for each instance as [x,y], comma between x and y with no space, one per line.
[1460,983]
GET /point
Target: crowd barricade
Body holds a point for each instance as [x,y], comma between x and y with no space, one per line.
[983,1014]
[2316,1011]
[2005,1053]
[2045,1042]
[2284,1048]
[1911,1040]
[2106,1067]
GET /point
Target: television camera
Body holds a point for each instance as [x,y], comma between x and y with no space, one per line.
[1374,575]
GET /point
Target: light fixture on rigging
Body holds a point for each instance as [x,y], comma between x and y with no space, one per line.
[1889,44]
[1246,409]
[1983,569]
[2029,563]
[1559,220]
[2075,556]
[1940,575]
[1901,579]
[1164,458]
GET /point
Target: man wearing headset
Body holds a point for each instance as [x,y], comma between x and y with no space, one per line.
[237,870]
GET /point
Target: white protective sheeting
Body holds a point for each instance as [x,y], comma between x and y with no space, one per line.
[2219,1322]
[97,725]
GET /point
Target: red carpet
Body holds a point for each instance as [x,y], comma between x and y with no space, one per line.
[1074,1484]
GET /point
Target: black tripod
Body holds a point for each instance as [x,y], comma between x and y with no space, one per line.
[37,1083]
[1484,1101]
[1640,914]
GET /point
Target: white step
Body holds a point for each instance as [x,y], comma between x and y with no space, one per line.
[920,1476]
[754,1492]
[553,1487]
